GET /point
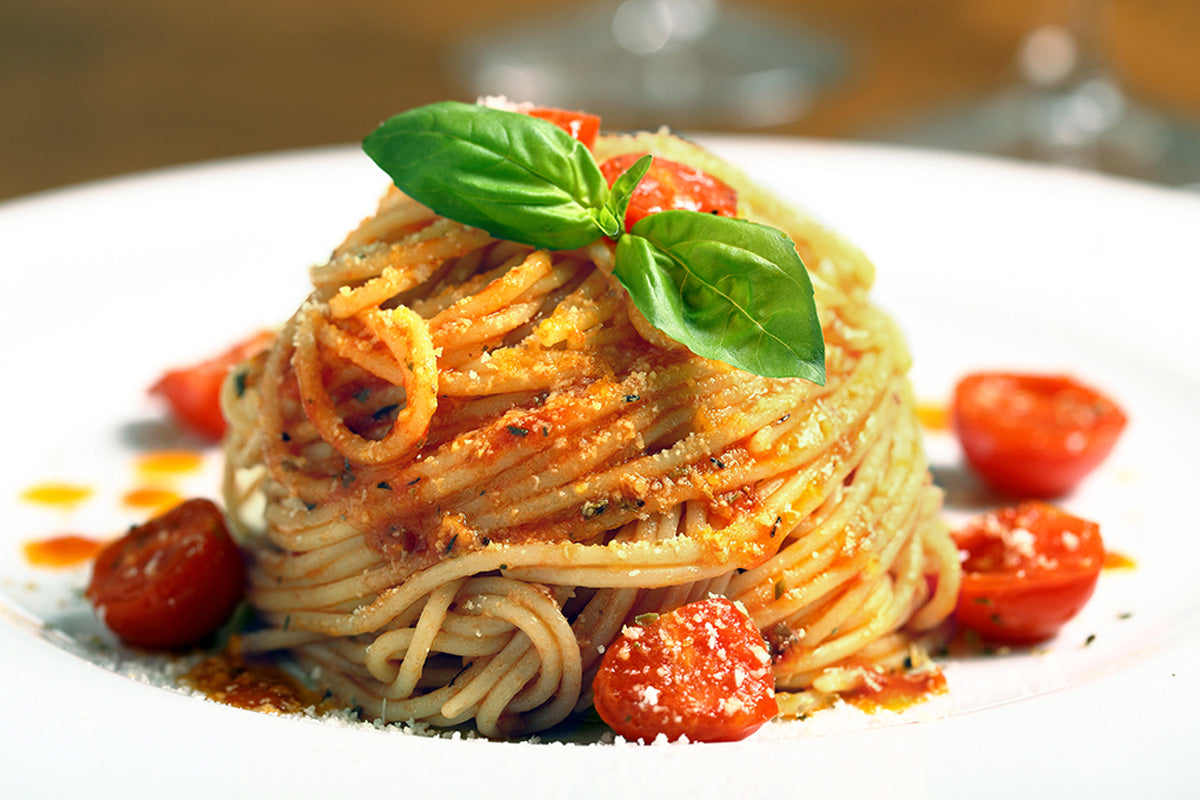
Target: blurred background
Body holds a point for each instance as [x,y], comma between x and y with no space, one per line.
[95,88]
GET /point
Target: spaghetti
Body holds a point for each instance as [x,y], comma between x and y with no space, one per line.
[465,464]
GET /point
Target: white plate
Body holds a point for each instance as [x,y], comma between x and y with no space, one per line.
[985,264]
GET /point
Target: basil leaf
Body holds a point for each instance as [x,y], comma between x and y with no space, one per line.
[607,222]
[621,191]
[728,289]
[514,176]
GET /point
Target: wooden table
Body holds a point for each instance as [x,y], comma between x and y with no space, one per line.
[91,89]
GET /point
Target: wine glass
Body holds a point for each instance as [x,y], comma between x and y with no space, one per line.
[638,63]
[1068,109]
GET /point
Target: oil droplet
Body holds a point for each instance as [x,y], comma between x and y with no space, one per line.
[61,551]
[169,462]
[152,498]
[1113,560]
[933,416]
[54,493]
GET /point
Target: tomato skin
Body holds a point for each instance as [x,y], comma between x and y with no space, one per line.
[170,582]
[1033,436]
[194,392]
[670,185]
[701,671]
[1027,571]
[580,124]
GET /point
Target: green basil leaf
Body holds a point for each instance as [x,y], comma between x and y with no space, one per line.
[515,176]
[728,289]
[607,222]
[621,192]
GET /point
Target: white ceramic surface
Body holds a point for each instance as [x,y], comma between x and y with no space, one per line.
[984,263]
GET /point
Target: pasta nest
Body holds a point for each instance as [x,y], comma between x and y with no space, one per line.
[465,464]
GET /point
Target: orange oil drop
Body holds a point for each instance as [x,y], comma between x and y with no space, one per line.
[66,550]
[56,493]
[169,462]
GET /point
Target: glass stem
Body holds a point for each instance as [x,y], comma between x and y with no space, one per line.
[1073,100]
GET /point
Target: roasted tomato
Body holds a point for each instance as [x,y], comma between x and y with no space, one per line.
[170,582]
[1033,435]
[194,392]
[1026,571]
[701,671]
[670,185]
[581,125]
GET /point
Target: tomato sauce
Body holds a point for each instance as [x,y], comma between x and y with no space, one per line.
[156,467]
[63,551]
[896,691]
[228,679]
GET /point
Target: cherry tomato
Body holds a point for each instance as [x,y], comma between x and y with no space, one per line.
[1033,435]
[669,184]
[701,671]
[194,393]
[581,125]
[170,582]
[1026,571]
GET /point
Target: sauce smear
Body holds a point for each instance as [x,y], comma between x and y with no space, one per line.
[157,499]
[1113,560]
[170,462]
[228,679]
[67,550]
[896,691]
[933,416]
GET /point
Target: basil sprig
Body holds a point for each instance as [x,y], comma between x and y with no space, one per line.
[720,285]
[728,289]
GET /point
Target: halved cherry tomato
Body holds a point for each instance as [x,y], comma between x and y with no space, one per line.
[194,392]
[580,124]
[668,185]
[1033,435]
[170,582]
[1026,571]
[701,671]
